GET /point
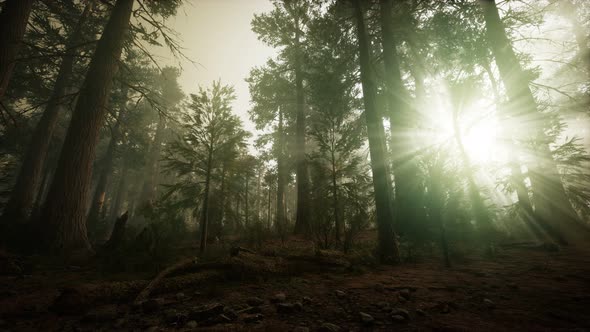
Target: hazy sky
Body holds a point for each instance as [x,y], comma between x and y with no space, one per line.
[216,35]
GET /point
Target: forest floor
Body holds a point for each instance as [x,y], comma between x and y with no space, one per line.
[520,289]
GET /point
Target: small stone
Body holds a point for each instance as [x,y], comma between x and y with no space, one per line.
[307,300]
[253,318]
[301,329]
[489,303]
[445,309]
[255,301]
[400,312]
[329,327]
[379,287]
[421,312]
[340,293]
[285,308]
[192,324]
[366,319]
[398,318]
[152,329]
[279,297]
[175,317]
[180,296]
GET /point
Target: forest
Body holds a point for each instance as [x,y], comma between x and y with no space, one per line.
[398,165]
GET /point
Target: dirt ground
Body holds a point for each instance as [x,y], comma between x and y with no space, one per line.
[521,289]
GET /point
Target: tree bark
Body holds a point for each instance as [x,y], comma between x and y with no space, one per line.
[302,221]
[121,191]
[13,23]
[281,177]
[22,197]
[98,200]
[205,209]
[552,206]
[64,211]
[149,188]
[388,246]
[407,195]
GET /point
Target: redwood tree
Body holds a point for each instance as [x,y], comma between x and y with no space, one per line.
[64,211]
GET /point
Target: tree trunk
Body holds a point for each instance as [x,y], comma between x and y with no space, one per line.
[98,199]
[407,195]
[524,202]
[121,191]
[280,223]
[246,204]
[552,206]
[13,23]
[268,208]
[205,209]
[388,246]
[21,200]
[302,225]
[222,194]
[64,211]
[149,188]
[337,221]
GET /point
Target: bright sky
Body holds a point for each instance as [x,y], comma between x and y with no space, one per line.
[216,35]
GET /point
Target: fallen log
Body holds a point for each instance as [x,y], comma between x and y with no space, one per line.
[145,293]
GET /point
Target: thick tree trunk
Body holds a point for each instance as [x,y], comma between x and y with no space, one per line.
[64,211]
[205,209]
[550,199]
[280,223]
[302,222]
[13,23]
[98,199]
[388,246]
[407,193]
[268,216]
[21,199]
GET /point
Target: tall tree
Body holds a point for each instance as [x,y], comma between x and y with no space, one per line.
[13,22]
[388,246]
[550,200]
[23,193]
[211,131]
[408,203]
[285,27]
[64,211]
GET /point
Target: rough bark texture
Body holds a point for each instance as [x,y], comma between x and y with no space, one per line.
[551,204]
[64,211]
[388,247]
[302,221]
[408,203]
[13,23]
[22,197]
